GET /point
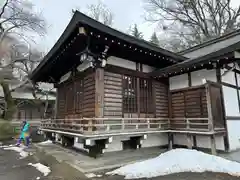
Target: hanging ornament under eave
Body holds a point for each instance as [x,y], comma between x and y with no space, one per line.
[81,30]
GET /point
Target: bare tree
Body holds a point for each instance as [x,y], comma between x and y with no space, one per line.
[17,18]
[101,13]
[193,21]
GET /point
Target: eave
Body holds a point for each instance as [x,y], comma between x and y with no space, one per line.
[220,57]
[80,19]
[210,42]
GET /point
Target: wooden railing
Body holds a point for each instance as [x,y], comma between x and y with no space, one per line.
[192,124]
[115,125]
[107,125]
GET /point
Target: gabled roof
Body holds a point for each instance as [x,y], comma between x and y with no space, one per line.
[80,18]
[212,45]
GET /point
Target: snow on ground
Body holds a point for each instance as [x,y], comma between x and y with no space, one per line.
[20,150]
[42,168]
[92,175]
[45,142]
[176,161]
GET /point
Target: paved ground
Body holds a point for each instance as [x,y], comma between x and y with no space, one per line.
[111,160]
[13,168]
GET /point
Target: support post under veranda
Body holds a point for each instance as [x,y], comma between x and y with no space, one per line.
[170,141]
[213,145]
[189,141]
[210,119]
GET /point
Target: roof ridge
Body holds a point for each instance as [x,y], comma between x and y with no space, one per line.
[211,41]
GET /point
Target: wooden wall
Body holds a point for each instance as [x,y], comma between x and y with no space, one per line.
[161,101]
[216,105]
[113,98]
[189,103]
[89,96]
[76,97]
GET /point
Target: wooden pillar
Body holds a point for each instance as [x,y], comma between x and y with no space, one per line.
[138,68]
[194,141]
[189,141]
[209,107]
[225,138]
[213,145]
[99,91]
[56,103]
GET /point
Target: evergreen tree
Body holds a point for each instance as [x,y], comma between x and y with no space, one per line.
[136,33]
[154,39]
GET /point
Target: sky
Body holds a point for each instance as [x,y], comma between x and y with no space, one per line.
[58,14]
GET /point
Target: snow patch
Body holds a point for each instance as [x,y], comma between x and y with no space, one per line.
[92,175]
[45,142]
[42,168]
[176,161]
[20,150]
[5,146]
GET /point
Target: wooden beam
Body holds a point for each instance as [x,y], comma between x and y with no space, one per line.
[138,68]
[99,90]
[230,85]
[234,70]
[125,71]
[99,93]
[235,118]
[189,79]
[225,138]
[56,105]
[238,95]
[209,106]
[187,88]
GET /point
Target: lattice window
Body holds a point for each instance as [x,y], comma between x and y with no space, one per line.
[129,94]
[79,89]
[146,96]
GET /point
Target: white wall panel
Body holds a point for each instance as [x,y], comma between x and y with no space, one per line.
[178,82]
[198,76]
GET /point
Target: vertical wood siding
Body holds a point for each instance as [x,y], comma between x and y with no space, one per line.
[89,96]
[161,101]
[76,99]
[189,103]
[112,94]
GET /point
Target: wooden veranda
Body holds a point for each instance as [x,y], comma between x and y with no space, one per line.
[191,110]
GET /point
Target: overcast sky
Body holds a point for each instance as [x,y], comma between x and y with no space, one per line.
[58,13]
[126,12]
